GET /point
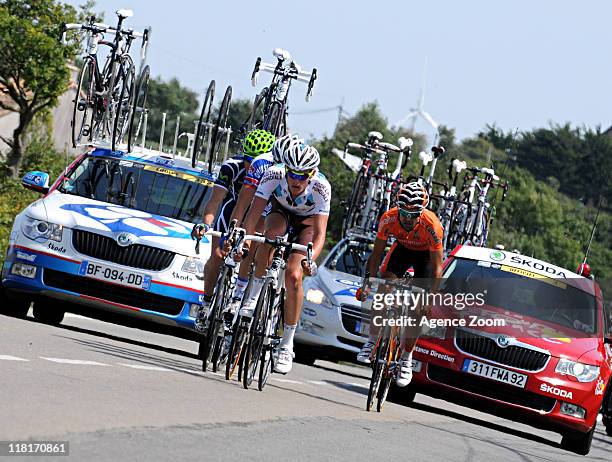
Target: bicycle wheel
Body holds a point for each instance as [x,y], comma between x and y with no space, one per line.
[351,210]
[272,122]
[388,375]
[219,128]
[139,109]
[239,337]
[256,117]
[201,142]
[84,104]
[122,106]
[215,320]
[267,360]
[377,370]
[256,335]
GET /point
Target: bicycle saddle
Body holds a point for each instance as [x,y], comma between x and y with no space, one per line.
[125,13]
[377,136]
[282,55]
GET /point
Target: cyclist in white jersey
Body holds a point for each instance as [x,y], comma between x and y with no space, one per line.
[299,196]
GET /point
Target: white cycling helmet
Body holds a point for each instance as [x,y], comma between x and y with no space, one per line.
[412,197]
[301,157]
[281,144]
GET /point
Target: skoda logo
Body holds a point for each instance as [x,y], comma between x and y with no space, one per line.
[502,341]
[497,255]
[125,239]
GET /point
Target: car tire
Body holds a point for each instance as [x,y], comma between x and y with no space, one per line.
[403,395]
[13,305]
[304,355]
[48,312]
[578,442]
[608,425]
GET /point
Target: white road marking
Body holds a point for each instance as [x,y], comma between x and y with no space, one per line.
[145,368]
[77,316]
[74,361]
[191,371]
[316,382]
[359,385]
[287,381]
[11,358]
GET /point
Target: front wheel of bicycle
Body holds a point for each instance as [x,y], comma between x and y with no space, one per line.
[377,371]
[267,360]
[215,321]
[239,337]
[200,143]
[84,104]
[220,128]
[139,108]
[257,333]
[388,376]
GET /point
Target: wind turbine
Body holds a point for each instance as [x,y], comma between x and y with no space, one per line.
[419,111]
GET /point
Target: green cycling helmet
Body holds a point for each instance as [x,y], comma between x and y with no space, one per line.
[257,142]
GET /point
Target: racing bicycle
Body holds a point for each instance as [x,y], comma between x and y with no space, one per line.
[264,333]
[270,107]
[104,98]
[371,194]
[209,136]
[213,343]
[388,347]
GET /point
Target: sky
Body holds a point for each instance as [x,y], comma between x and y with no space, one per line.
[515,63]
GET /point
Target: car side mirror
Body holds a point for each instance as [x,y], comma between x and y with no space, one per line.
[36,181]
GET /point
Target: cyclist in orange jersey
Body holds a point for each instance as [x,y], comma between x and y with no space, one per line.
[418,244]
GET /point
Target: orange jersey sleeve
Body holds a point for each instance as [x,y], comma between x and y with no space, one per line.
[433,230]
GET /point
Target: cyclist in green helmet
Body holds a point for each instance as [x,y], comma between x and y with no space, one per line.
[226,192]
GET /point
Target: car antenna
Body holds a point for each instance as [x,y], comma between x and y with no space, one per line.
[584,269]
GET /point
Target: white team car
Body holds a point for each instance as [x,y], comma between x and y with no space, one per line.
[113,232]
[332,324]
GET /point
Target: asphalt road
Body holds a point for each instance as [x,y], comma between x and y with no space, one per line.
[121,393]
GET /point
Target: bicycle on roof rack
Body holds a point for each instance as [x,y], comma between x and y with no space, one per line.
[471,220]
[270,107]
[104,105]
[209,135]
[371,195]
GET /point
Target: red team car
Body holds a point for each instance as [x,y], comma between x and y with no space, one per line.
[538,350]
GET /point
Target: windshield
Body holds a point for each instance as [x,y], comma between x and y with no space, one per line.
[350,257]
[529,294]
[152,189]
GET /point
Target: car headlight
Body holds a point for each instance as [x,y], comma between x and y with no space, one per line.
[41,231]
[582,372]
[315,295]
[193,265]
[436,332]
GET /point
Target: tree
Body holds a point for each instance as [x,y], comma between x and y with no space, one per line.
[33,70]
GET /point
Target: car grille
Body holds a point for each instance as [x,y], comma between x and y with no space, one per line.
[136,256]
[513,355]
[112,292]
[485,387]
[351,315]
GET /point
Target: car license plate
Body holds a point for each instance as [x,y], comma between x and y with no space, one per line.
[114,275]
[498,374]
[362,328]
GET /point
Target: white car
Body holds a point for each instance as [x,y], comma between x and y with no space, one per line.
[332,324]
[113,232]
